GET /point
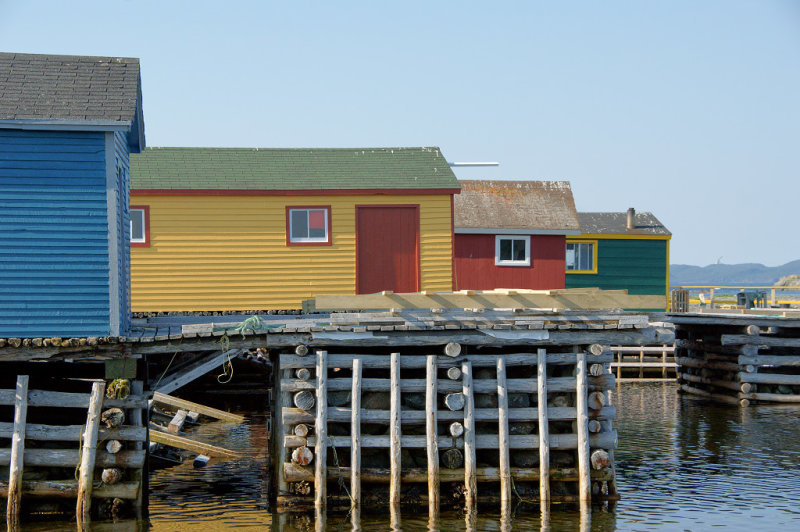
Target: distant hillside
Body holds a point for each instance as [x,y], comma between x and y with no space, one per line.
[731,274]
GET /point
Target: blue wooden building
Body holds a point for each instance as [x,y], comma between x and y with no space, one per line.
[67,125]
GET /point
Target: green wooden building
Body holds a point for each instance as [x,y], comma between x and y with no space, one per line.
[618,250]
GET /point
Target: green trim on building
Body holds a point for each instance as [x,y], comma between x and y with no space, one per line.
[291,169]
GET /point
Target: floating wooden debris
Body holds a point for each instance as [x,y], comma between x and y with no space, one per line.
[739,358]
[187,410]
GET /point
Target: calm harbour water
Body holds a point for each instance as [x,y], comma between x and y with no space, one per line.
[682,464]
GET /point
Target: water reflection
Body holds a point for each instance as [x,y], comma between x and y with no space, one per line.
[682,464]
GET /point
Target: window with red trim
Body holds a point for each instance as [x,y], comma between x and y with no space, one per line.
[308,225]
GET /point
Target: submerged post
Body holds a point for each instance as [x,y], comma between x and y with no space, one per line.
[431,419]
[394,431]
[582,411]
[502,418]
[544,428]
[17,453]
[355,436]
[321,428]
[88,454]
[470,481]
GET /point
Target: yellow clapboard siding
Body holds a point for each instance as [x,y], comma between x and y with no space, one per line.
[230,252]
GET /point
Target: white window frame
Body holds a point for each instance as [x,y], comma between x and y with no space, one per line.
[142,240]
[312,240]
[499,262]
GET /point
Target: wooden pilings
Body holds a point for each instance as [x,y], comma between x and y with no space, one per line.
[17,452]
[431,434]
[738,359]
[544,427]
[410,419]
[88,453]
[355,435]
[120,457]
[321,428]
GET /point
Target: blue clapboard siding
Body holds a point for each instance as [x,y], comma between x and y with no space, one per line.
[54,267]
[123,231]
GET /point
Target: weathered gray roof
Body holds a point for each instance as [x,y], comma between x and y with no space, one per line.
[519,205]
[68,87]
[616,223]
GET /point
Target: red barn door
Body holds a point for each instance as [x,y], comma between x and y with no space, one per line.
[387,248]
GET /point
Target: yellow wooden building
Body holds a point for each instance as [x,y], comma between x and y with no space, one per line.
[261,229]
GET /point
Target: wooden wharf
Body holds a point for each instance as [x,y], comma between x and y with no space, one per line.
[517,399]
[739,357]
[492,406]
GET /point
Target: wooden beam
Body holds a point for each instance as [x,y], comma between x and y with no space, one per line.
[194,371]
[175,402]
[173,440]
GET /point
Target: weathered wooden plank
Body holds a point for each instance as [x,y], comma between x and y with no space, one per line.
[69,488]
[59,457]
[176,423]
[420,361]
[13,508]
[644,336]
[292,416]
[769,378]
[295,473]
[554,384]
[195,407]
[73,432]
[489,299]
[769,341]
[770,360]
[194,371]
[88,454]
[69,399]
[173,440]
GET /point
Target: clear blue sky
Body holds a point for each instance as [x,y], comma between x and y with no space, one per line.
[687,109]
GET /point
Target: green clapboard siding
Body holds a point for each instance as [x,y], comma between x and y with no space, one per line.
[639,266]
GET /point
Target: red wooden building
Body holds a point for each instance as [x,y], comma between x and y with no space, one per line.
[512,234]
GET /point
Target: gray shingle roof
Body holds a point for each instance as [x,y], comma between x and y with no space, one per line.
[64,87]
[615,223]
[522,205]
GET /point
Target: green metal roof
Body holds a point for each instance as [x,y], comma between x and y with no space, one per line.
[290,169]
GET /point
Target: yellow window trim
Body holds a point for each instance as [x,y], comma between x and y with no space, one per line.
[594,256]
